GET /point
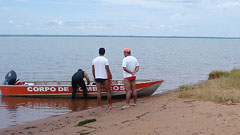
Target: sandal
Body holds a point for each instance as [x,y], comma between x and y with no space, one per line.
[133,104]
[125,106]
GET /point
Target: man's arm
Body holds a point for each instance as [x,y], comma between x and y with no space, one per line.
[109,74]
[124,64]
[134,72]
[93,71]
[87,77]
[128,71]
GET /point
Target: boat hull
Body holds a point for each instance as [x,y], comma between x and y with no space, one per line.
[118,90]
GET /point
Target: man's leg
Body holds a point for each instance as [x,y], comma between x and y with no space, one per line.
[107,88]
[128,89]
[99,90]
[74,89]
[134,92]
[83,86]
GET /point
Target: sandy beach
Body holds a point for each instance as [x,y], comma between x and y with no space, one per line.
[162,114]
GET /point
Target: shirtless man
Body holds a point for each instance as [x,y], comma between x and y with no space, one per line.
[130,67]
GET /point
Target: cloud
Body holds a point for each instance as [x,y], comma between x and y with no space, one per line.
[55,22]
[17,25]
[229,4]
[136,17]
[5,8]
[89,26]
[58,22]
[11,22]
[14,23]
[157,27]
[27,24]
[152,3]
[76,25]
[15,0]
[161,26]
[22,0]
[141,27]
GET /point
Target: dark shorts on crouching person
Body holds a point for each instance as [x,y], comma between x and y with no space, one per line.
[76,83]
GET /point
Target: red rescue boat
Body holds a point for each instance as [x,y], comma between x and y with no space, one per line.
[64,89]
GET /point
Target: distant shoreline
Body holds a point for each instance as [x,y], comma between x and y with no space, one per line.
[120,36]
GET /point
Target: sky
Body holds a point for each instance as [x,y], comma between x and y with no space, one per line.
[121,17]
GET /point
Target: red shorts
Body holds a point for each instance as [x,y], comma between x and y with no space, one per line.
[132,78]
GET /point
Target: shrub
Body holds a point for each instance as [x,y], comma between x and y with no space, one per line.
[85,122]
[218,74]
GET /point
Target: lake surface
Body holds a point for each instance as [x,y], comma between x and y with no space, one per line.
[178,61]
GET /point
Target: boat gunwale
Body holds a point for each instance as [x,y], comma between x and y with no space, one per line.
[68,85]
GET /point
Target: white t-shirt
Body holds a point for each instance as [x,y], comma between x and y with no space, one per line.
[99,64]
[130,63]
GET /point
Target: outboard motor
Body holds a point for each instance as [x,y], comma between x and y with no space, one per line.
[10,78]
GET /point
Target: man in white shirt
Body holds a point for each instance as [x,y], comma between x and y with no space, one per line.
[102,75]
[130,67]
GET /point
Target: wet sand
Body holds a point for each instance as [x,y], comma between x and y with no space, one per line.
[163,114]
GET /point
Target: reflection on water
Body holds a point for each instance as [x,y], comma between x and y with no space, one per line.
[17,110]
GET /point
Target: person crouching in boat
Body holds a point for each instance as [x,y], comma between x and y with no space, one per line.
[102,74]
[77,81]
[130,67]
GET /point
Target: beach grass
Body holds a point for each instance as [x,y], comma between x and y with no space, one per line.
[217,74]
[221,87]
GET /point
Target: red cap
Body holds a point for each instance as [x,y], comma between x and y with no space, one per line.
[127,50]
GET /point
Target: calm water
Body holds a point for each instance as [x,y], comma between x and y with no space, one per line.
[178,61]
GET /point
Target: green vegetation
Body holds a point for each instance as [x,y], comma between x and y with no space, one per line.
[30,127]
[138,117]
[85,122]
[125,121]
[90,127]
[218,74]
[85,132]
[222,87]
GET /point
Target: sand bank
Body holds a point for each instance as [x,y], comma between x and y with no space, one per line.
[163,114]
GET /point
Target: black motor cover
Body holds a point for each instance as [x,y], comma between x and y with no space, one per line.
[10,78]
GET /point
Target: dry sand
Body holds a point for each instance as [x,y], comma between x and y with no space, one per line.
[163,114]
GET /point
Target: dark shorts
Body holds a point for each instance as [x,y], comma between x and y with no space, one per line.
[100,80]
